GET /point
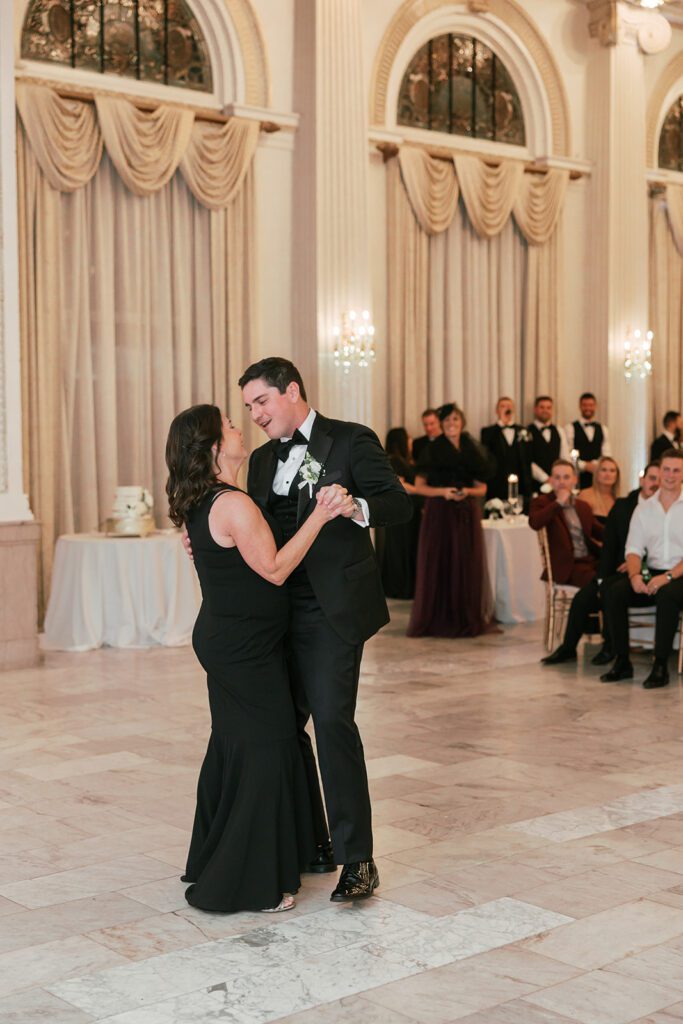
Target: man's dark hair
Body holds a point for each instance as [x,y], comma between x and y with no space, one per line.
[276,372]
[653,464]
[542,398]
[563,462]
[429,412]
[670,417]
[671,453]
[587,394]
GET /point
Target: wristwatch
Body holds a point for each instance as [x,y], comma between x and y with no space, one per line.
[669,576]
[358,507]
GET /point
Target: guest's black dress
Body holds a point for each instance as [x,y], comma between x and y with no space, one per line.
[397,545]
[452,592]
[252,831]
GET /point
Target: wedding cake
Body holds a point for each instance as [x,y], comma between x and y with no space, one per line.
[131,515]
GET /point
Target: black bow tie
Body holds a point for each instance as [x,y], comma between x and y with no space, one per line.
[284,447]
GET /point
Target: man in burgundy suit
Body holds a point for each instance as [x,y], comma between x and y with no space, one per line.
[574,534]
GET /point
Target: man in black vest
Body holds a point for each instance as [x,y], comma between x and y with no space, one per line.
[589,438]
[611,568]
[336,596]
[547,442]
[506,441]
[669,438]
[432,429]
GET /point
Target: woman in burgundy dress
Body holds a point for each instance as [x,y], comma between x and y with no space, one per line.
[452,593]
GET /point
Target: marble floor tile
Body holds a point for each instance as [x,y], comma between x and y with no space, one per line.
[138,940]
[37,1006]
[41,964]
[603,998]
[82,882]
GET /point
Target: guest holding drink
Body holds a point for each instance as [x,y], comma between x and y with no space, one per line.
[604,490]
[397,545]
[452,592]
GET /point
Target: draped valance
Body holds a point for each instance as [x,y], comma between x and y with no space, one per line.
[68,136]
[491,194]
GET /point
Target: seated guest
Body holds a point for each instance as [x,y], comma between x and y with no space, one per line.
[397,545]
[611,568]
[547,443]
[452,592]
[603,492]
[670,436]
[589,438]
[431,425]
[654,563]
[503,439]
[574,534]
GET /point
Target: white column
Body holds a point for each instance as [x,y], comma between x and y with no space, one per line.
[13,502]
[618,242]
[331,254]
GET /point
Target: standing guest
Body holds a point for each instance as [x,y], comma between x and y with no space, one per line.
[431,425]
[253,830]
[604,490]
[397,545]
[505,441]
[654,563]
[670,436]
[611,568]
[589,438]
[547,444]
[574,534]
[452,592]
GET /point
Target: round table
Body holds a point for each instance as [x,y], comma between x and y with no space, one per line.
[514,563]
[121,592]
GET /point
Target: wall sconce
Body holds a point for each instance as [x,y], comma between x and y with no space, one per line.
[354,341]
[638,354]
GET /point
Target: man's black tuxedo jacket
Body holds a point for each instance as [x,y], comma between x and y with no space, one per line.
[614,538]
[509,459]
[660,445]
[341,564]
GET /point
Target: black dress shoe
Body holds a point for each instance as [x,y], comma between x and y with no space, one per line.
[659,675]
[603,657]
[621,669]
[559,655]
[322,862]
[357,882]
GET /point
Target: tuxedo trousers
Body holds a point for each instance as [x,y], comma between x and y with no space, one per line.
[589,601]
[324,672]
[668,602]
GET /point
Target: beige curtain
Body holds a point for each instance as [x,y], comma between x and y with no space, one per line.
[133,306]
[666,302]
[473,298]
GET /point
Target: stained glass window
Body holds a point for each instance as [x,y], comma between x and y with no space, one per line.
[149,40]
[671,138]
[457,84]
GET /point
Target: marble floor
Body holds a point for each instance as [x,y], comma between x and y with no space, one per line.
[529,832]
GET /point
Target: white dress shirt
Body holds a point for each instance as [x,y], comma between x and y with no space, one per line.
[656,532]
[286,471]
[537,473]
[589,429]
[509,432]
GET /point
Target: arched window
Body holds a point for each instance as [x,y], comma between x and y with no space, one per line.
[149,40]
[671,138]
[457,84]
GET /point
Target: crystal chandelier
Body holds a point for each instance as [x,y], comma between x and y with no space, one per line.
[638,355]
[354,341]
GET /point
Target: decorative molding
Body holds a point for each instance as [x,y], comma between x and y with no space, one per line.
[668,85]
[507,13]
[253,47]
[603,21]
[612,22]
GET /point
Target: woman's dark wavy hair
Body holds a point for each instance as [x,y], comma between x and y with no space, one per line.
[444,411]
[190,460]
[397,442]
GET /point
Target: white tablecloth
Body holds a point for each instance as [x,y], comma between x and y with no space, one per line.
[121,592]
[514,562]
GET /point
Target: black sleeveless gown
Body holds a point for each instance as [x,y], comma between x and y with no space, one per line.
[252,831]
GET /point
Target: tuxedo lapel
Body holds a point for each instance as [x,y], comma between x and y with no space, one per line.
[318,449]
[263,473]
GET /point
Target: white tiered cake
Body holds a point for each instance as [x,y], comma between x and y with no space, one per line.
[132,513]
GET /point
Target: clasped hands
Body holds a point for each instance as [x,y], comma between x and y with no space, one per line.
[454,494]
[336,501]
[651,587]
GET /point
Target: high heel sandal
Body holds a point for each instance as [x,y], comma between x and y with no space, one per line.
[286,903]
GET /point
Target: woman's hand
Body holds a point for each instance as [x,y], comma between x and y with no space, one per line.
[333,501]
[451,494]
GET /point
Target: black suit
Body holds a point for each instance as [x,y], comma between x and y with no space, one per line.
[337,604]
[591,597]
[660,445]
[509,458]
[420,444]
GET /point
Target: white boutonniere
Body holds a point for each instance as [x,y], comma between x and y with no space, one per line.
[523,436]
[310,473]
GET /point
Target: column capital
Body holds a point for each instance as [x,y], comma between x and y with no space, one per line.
[479,6]
[614,22]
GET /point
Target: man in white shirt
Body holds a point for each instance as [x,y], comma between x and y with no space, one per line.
[547,443]
[654,566]
[589,438]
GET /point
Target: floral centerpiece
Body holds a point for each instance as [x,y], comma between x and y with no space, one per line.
[132,513]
